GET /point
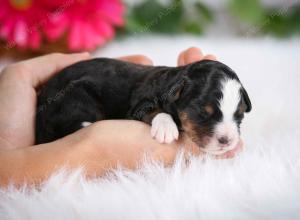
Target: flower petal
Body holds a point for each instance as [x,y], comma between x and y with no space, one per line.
[112,11]
[55,27]
[89,38]
[3,12]
[104,29]
[7,29]
[35,40]
[74,37]
[20,35]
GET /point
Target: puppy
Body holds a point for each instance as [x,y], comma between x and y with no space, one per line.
[205,100]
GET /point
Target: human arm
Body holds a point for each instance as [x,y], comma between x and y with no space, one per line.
[97,148]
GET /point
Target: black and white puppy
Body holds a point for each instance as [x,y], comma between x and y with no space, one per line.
[205,100]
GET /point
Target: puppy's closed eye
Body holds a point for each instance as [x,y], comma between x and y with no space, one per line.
[209,109]
[206,112]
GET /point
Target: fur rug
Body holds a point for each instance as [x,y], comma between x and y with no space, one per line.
[263,182]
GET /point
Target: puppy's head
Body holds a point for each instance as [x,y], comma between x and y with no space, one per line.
[211,104]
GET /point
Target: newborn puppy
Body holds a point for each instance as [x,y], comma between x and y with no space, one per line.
[205,100]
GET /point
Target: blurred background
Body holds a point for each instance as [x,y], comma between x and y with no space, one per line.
[33,27]
[259,39]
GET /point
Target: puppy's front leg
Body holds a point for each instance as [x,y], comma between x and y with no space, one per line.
[164,129]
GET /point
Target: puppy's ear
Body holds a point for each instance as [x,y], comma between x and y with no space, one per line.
[246,100]
[176,89]
[141,109]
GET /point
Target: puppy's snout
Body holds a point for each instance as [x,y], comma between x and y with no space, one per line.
[224,140]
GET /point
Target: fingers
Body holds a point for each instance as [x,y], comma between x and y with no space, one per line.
[210,57]
[192,55]
[42,68]
[39,70]
[137,59]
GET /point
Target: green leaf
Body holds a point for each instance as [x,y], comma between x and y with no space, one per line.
[282,23]
[193,28]
[204,12]
[151,16]
[147,11]
[294,20]
[276,24]
[250,11]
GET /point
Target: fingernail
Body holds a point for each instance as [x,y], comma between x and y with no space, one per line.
[211,57]
[193,54]
[85,54]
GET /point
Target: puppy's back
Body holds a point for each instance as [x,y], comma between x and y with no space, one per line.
[86,91]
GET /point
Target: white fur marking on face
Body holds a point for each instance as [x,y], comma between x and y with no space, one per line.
[228,105]
[85,124]
[164,129]
[227,127]
[231,98]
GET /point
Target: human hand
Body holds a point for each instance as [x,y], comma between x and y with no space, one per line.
[19,84]
[18,90]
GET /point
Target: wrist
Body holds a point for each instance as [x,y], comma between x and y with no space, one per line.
[87,149]
[34,164]
[11,166]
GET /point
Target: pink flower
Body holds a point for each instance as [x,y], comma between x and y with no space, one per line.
[86,23]
[89,23]
[19,23]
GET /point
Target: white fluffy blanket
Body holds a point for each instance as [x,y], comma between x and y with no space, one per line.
[263,182]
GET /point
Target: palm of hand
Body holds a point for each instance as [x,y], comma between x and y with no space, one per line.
[18,85]
[17,113]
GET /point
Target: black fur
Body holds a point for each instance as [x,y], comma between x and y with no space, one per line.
[111,89]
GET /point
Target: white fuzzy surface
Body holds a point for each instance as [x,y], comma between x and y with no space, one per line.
[263,182]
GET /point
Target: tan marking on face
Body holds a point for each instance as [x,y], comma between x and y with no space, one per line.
[196,133]
[209,109]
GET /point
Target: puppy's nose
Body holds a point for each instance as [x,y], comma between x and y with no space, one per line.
[223,140]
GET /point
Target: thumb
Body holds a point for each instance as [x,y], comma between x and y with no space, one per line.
[42,68]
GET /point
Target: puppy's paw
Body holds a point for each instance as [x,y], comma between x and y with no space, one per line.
[164,129]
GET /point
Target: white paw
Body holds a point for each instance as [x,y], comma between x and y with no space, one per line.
[85,124]
[164,129]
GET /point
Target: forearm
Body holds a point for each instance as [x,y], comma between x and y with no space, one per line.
[121,142]
[32,164]
[97,149]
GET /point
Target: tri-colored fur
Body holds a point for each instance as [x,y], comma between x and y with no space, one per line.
[205,100]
